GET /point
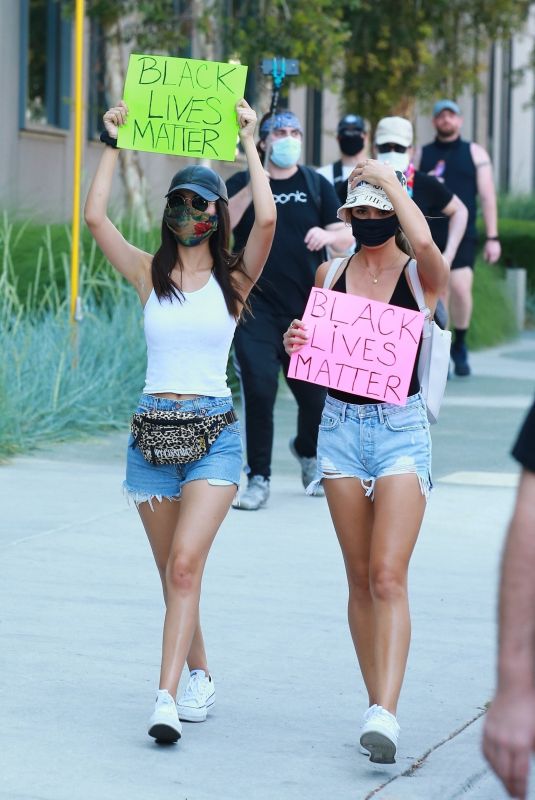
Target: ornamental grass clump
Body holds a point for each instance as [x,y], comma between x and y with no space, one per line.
[60,381]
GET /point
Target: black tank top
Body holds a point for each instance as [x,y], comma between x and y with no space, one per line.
[458,171]
[403,297]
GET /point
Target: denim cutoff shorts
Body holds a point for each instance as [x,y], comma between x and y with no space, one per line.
[373,440]
[220,466]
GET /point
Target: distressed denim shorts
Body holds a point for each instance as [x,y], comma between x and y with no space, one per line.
[220,466]
[374,440]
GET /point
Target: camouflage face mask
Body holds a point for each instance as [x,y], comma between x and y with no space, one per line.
[189,226]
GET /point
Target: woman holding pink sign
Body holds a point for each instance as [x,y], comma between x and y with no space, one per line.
[184,455]
[374,457]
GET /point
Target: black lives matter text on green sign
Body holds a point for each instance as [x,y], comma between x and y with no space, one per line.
[182,106]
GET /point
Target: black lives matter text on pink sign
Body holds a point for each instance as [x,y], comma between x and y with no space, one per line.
[358,345]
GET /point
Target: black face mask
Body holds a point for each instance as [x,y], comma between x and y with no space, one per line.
[350,145]
[373,232]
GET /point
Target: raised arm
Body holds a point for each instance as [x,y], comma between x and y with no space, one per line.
[130,261]
[432,267]
[265,213]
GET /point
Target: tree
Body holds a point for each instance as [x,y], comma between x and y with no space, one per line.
[314,33]
[403,50]
[158,26]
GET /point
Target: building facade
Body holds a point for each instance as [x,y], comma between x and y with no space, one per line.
[36,128]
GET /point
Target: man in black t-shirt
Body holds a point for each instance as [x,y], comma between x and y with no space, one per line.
[393,143]
[306,224]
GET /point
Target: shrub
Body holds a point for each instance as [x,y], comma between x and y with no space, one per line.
[59,381]
[493,320]
[517,237]
[520,206]
[518,246]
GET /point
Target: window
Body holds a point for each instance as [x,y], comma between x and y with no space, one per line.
[45,64]
[97,84]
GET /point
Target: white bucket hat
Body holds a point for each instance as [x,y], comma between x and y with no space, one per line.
[368,194]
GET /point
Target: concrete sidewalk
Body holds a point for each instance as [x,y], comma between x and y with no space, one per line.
[82,613]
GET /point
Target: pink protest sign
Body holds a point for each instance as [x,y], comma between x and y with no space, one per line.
[358,345]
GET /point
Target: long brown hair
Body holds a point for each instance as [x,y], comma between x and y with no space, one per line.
[403,243]
[225,263]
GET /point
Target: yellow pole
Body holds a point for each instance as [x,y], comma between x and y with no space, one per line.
[77,170]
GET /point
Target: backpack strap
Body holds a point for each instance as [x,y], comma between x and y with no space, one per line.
[313,182]
[331,272]
[337,171]
[419,295]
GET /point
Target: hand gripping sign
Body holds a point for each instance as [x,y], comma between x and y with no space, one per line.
[182,106]
[358,345]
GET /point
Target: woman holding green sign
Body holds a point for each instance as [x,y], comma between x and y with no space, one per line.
[185,444]
[374,457]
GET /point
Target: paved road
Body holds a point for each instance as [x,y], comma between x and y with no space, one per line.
[81,617]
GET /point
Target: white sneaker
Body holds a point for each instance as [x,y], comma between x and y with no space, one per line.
[379,735]
[197,697]
[255,496]
[308,470]
[164,724]
[365,718]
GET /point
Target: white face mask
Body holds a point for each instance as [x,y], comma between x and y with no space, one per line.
[399,161]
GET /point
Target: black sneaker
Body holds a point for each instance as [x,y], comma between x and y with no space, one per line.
[459,355]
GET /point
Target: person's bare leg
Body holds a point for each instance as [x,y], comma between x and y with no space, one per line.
[352,515]
[160,525]
[399,507]
[196,658]
[460,289]
[203,509]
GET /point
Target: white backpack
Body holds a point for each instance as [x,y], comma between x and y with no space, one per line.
[434,360]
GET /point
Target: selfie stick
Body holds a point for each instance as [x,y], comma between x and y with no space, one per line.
[279,68]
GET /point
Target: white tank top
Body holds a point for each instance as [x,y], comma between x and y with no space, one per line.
[188,342]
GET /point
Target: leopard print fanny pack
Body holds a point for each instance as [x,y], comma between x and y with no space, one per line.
[177,437]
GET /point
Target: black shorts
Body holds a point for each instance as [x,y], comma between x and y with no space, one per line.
[466,254]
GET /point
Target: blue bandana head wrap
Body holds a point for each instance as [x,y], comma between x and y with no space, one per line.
[283,119]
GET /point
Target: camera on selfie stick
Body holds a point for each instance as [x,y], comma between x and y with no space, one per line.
[278,68]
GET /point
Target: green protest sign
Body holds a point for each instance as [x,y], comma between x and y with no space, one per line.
[182,106]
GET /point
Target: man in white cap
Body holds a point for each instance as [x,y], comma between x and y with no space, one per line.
[466,169]
[393,143]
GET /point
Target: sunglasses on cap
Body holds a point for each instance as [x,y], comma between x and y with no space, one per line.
[177,201]
[389,146]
